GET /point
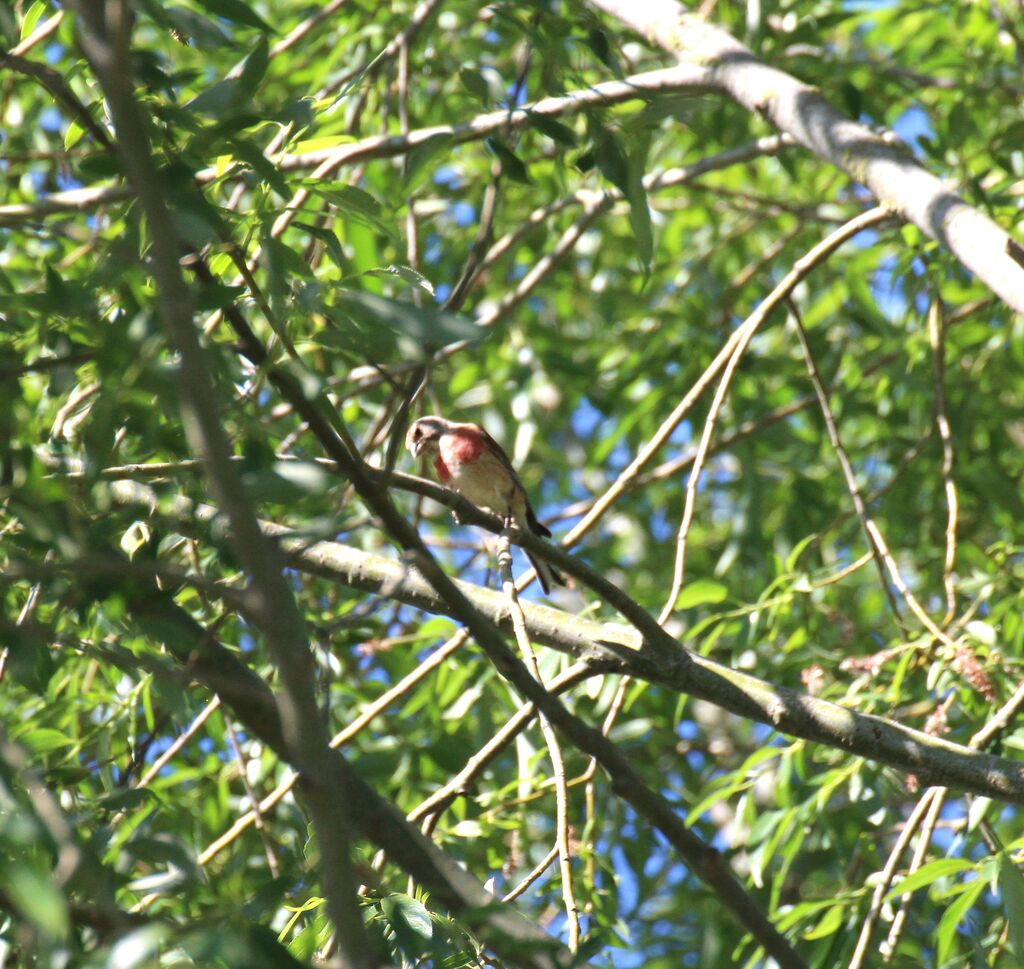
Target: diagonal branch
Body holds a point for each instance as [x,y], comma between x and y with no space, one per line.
[880,162]
[706,862]
[104,31]
[653,656]
[54,82]
[253,703]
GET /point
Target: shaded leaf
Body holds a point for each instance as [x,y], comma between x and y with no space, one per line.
[238,12]
[511,164]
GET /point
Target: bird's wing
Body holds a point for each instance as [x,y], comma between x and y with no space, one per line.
[499,452]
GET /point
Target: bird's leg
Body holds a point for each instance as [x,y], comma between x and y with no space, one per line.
[455,514]
[508,519]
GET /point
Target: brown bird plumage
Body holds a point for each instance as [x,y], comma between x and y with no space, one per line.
[468,460]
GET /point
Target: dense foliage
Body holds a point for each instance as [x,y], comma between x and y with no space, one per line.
[564,277]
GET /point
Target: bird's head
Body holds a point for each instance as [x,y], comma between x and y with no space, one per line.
[424,435]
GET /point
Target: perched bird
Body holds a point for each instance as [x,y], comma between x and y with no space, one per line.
[469,460]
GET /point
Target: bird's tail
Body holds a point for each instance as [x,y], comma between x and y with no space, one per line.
[535,525]
[547,574]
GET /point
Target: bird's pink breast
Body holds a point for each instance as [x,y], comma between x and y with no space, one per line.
[455,450]
[461,448]
[442,470]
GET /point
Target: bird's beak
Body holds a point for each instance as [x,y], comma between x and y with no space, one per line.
[416,447]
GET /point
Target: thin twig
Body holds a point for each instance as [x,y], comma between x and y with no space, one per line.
[508,585]
[372,711]
[800,269]
[250,793]
[935,802]
[42,31]
[54,82]
[538,870]
[857,498]
[884,558]
[297,33]
[937,338]
[416,20]
[459,784]
[886,876]
[931,801]
[728,359]
[183,738]
[28,610]
[590,790]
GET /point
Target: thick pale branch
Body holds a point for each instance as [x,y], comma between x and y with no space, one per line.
[885,166]
[658,658]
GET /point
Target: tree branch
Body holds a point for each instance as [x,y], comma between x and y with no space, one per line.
[655,657]
[888,169]
[640,86]
[104,31]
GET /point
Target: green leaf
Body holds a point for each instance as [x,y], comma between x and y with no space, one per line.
[597,41]
[927,874]
[410,276]
[356,204]
[254,67]
[140,947]
[237,12]
[220,99]
[73,135]
[36,897]
[43,740]
[852,99]
[429,328]
[555,130]
[236,946]
[416,160]
[287,481]
[188,26]
[410,922]
[1011,890]
[126,800]
[639,209]
[625,172]
[701,592]
[511,164]
[231,95]
[828,924]
[953,916]
[328,238]
[610,158]
[31,18]
[474,82]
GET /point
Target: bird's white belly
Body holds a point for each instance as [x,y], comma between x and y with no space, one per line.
[481,488]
